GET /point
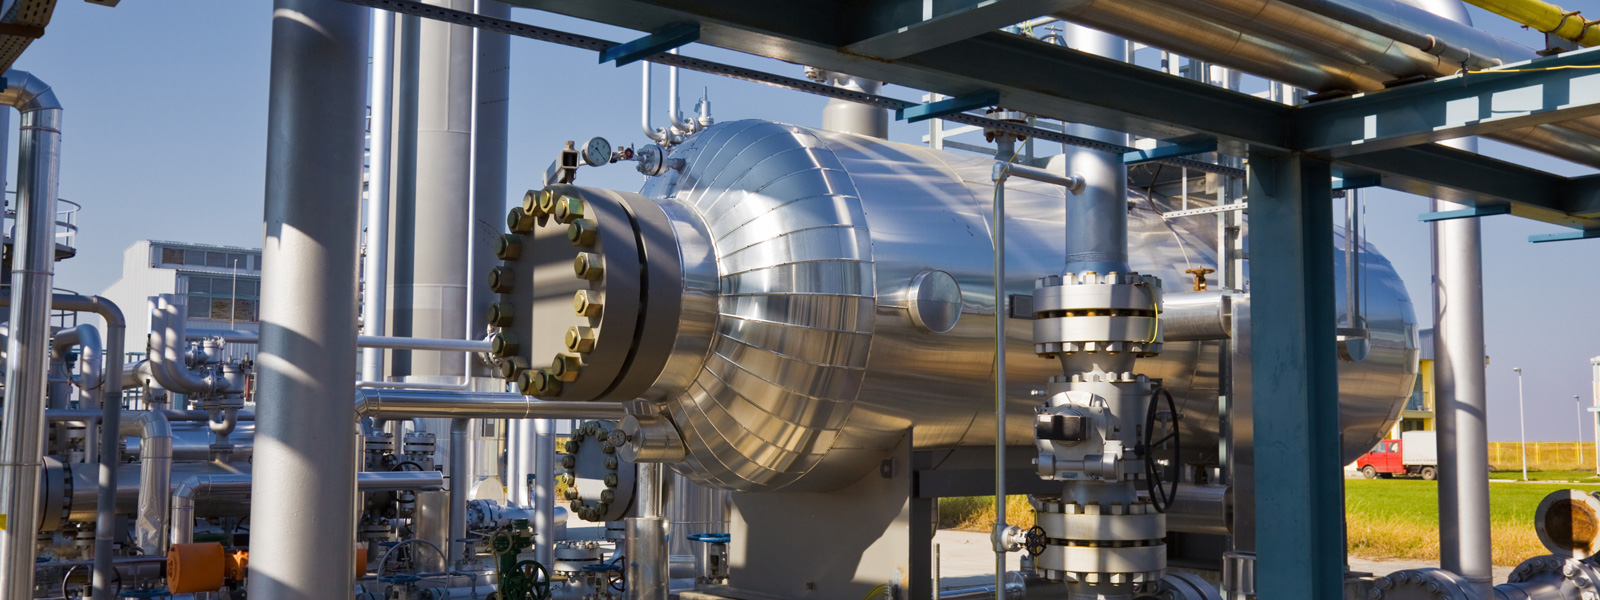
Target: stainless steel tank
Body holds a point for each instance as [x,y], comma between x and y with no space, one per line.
[798,301]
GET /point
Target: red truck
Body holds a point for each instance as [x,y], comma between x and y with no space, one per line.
[1415,453]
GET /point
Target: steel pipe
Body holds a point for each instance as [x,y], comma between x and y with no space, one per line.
[381,342]
[193,488]
[33,264]
[155,478]
[1204,509]
[1547,18]
[375,281]
[845,116]
[168,316]
[647,568]
[89,360]
[459,467]
[305,452]
[455,404]
[1196,316]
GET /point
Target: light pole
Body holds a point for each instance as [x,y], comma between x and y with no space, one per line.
[1578,402]
[1522,423]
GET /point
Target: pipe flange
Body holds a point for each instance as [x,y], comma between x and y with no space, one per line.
[1579,574]
[598,482]
[1092,313]
[1568,523]
[1181,585]
[1421,584]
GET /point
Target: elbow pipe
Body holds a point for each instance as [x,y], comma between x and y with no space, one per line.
[675,120]
[193,488]
[167,314]
[453,404]
[656,135]
[89,361]
[155,478]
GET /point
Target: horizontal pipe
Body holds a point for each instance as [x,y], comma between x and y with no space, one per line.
[244,336]
[448,404]
[183,498]
[1201,509]
[67,415]
[1074,183]
[1196,316]
[1545,17]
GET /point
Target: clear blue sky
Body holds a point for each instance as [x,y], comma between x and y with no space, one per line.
[165,139]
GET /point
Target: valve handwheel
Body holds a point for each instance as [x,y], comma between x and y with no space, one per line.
[1162,492]
[1035,541]
[539,575]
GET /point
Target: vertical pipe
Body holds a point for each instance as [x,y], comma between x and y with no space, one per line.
[460,471]
[1459,387]
[544,490]
[375,300]
[852,117]
[33,262]
[490,139]
[647,539]
[105,529]
[303,447]
[1097,218]
[999,228]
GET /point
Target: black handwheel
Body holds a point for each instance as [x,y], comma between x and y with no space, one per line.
[1162,492]
[539,574]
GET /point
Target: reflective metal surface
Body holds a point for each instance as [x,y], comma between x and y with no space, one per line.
[816,367]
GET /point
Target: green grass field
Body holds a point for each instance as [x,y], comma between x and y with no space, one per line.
[1385,518]
[1585,476]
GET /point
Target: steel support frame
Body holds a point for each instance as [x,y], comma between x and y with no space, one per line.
[1300,491]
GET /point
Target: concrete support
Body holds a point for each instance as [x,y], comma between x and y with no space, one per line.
[1299,499]
[305,453]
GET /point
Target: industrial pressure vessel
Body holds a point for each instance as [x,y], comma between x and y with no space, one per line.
[798,302]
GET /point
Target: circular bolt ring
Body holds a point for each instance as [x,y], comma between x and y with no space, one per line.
[500,279]
[580,338]
[508,247]
[588,265]
[519,221]
[585,304]
[582,232]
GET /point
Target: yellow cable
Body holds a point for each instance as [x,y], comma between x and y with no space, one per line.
[876,591]
[1558,68]
[1155,309]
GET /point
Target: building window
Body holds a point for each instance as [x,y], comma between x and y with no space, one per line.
[205,258]
[224,298]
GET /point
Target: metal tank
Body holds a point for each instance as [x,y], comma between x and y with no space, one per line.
[793,302]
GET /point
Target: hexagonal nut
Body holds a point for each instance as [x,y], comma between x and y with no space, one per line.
[511,368]
[589,265]
[606,496]
[586,303]
[610,463]
[566,367]
[526,384]
[547,202]
[501,314]
[570,447]
[519,221]
[501,280]
[567,209]
[580,338]
[582,232]
[569,460]
[503,344]
[508,247]
[533,202]
[611,479]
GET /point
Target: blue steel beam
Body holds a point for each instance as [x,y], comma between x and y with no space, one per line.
[1462,177]
[948,106]
[661,41]
[1580,234]
[1356,182]
[1466,213]
[1300,502]
[899,28]
[1543,91]
[1134,157]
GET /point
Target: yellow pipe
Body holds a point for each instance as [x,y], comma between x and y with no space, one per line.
[1545,17]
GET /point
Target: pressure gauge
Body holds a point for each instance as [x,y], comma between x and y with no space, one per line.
[597,152]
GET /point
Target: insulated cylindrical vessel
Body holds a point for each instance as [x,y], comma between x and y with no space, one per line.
[796,302]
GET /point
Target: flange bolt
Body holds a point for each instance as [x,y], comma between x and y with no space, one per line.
[519,221]
[589,265]
[508,247]
[500,279]
[586,304]
[580,338]
[582,232]
[501,314]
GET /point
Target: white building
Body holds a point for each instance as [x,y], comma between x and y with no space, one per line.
[223,285]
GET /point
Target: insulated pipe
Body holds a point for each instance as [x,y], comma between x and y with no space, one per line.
[375,293]
[1097,217]
[460,470]
[89,361]
[490,135]
[655,135]
[33,263]
[544,490]
[191,489]
[454,404]
[155,478]
[1545,17]
[304,455]
[168,315]
[646,539]
[853,117]
[1460,354]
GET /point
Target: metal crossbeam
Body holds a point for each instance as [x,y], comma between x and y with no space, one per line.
[1209,210]
[1581,234]
[1356,182]
[1466,213]
[948,106]
[1538,92]
[902,28]
[1141,156]
[651,45]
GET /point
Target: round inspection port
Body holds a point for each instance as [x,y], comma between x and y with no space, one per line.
[1568,523]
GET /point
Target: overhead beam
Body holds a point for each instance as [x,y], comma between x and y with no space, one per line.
[1463,177]
[1133,157]
[1466,213]
[901,28]
[946,107]
[1539,92]
[661,41]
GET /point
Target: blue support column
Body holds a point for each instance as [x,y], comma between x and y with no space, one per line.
[1300,486]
